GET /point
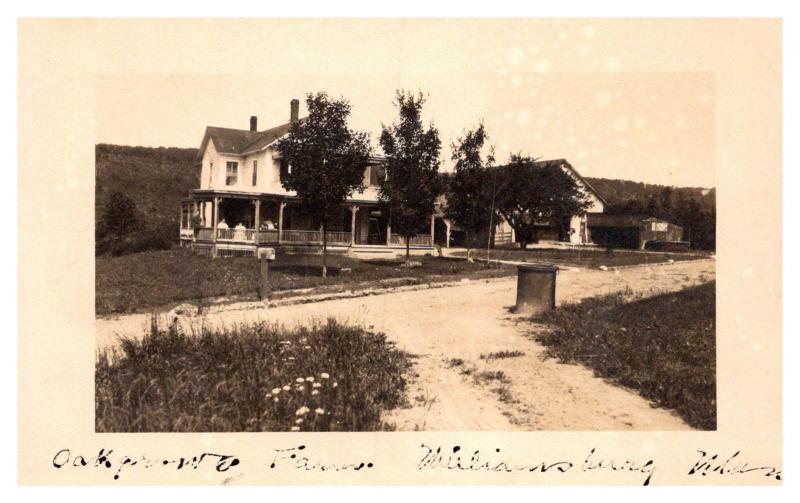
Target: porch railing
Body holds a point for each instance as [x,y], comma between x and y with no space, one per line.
[270,236]
[418,240]
[267,237]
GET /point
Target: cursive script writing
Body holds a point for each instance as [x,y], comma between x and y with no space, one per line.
[106,459]
[293,457]
[450,459]
[712,464]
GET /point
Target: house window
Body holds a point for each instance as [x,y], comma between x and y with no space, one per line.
[210,173]
[255,172]
[377,175]
[285,170]
[231,173]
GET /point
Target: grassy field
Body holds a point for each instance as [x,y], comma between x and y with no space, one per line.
[153,279]
[591,259]
[664,346]
[327,377]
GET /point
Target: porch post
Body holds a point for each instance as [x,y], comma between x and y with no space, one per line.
[388,234]
[214,218]
[433,228]
[257,220]
[447,223]
[353,211]
[280,221]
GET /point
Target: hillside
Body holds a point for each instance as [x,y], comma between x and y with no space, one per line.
[618,192]
[156,179]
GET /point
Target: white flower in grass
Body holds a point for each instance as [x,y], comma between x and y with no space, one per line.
[286,342]
[295,428]
[299,421]
[302,411]
[275,399]
[276,391]
[287,388]
[315,392]
[316,385]
[325,375]
[291,357]
[306,347]
[310,379]
[319,410]
[335,384]
[300,380]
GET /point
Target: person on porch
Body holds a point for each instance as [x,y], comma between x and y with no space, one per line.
[267,225]
[222,224]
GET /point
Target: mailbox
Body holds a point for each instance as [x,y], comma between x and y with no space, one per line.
[267,253]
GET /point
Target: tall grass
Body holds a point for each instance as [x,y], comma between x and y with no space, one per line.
[324,377]
[662,346]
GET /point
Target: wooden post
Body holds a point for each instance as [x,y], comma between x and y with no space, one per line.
[433,228]
[264,286]
[353,211]
[447,223]
[214,218]
[257,221]
[388,234]
[280,221]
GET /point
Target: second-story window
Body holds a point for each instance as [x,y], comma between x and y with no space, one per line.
[255,172]
[231,173]
[210,173]
[377,175]
[285,170]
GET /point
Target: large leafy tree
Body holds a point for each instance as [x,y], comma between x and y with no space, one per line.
[412,162]
[535,193]
[326,160]
[119,225]
[473,186]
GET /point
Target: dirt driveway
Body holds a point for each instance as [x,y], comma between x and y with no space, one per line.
[448,329]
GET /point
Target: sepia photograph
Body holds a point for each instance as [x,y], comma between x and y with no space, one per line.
[522,252]
[398,251]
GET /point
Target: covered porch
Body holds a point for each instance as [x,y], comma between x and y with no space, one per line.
[241,222]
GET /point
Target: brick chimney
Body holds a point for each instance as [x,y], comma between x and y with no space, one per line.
[253,123]
[294,113]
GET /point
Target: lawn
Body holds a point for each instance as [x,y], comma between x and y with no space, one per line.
[664,346]
[588,258]
[325,377]
[151,280]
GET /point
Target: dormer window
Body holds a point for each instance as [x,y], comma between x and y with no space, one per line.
[231,173]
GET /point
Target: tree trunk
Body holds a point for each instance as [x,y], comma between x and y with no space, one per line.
[324,251]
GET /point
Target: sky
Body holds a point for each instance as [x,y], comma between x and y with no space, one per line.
[550,92]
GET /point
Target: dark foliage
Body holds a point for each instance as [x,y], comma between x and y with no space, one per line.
[692,208]
[412,161]
[532,193]
[664,346]
[326,377]
[326,159]
[472,188]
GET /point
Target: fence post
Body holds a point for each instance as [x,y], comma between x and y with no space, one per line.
[263,286]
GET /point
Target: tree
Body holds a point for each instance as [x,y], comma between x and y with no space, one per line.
[537,193]
[473,186]
[118,225]
[412,162]
[326,160]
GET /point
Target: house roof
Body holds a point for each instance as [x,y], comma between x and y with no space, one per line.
[565,164]
[241,141]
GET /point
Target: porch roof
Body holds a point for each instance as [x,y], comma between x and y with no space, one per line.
[206,194]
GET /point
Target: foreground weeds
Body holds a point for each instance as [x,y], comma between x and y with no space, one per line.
[326,377]
[663,346]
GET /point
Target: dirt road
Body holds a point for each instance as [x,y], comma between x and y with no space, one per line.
[448,329]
